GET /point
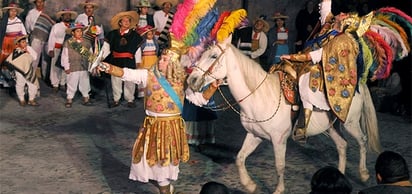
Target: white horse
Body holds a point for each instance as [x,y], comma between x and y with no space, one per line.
[265,114]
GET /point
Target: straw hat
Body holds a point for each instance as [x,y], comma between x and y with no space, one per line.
[20,37]
[114,22]
[74,26]
[279,15]
[73,14]
[160,3]
[89,2]
[13,5]
[143,30]
[144,3]
[265,23]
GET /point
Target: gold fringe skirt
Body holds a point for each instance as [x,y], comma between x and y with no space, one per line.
[166,141]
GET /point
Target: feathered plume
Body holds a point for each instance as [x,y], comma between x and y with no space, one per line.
[203,28]
[382,54]
[367,60]
[393,39]
[201,8]
[183,10]
[230,23]
[396,27]
[219,23]
[397,15]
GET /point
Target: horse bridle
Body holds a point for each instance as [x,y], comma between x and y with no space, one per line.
[209,71]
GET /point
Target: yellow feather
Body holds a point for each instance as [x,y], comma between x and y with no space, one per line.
[199,11]
[230,23]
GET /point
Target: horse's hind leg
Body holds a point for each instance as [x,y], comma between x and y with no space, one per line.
[249,145]
[355,130]
[341,146]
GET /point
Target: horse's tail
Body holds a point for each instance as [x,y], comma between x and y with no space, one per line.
[369,120]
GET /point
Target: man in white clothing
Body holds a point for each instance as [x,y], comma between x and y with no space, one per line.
[38,25]
[55,44]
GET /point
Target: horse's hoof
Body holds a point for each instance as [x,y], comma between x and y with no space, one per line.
[364,177]
[251,187]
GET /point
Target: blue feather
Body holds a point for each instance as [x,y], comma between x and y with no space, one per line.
[206,24]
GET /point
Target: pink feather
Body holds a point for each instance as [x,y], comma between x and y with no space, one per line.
[395,11]
[183,10]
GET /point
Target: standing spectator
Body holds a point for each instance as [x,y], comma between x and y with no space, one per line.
[11,27]
[20,61]
[95,34]
[252,40]
[329,180]
[305,23]
[162,20]
[38,25]
[75,60]
[123,44]
[55,45]
[392,175]
[277,39]
[144,17]
[89,20]
[149,52]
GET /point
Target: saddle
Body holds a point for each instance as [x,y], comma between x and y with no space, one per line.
[288,77]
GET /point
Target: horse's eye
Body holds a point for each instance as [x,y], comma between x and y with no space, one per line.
[214,56]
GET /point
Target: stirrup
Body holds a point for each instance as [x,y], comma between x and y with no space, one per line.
[299,135]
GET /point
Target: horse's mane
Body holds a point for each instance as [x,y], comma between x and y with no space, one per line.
[252,72]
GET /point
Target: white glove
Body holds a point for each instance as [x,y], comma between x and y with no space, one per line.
[195,97]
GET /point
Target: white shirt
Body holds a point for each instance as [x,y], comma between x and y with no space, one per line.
[160,20]
[15,25]
[263,43]
[57,34]
[31,19]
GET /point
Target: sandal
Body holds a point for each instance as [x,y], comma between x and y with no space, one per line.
[86,102]
[68,104]
[32,103]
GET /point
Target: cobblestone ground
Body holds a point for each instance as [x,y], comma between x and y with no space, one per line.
[52,149]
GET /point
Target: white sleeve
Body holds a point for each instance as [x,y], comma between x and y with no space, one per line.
[105,49]
[52,39]
[316,55]
[138,55]
[32,52]
[138,76]
[65,58]
[195,97]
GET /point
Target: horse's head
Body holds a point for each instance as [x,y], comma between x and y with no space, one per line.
[210,67]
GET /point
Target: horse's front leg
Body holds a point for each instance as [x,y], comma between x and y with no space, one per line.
[341,146]
[249,145]
[280,153]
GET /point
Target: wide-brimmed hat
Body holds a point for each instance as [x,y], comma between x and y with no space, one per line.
[72,13]
[74,26]
[143,3]
[265,23]
[279,15]
[20,37]
[143,30]
[89,2]
[13,5]
[160,3]
[114,22]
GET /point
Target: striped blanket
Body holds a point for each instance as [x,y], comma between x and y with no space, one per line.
[42,27]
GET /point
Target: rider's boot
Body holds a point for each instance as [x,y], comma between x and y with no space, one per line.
[299,134]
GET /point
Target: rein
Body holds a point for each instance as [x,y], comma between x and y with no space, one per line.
[209,72]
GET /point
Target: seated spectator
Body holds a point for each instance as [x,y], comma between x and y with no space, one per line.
[392,175]
[329,180]
[214,188]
